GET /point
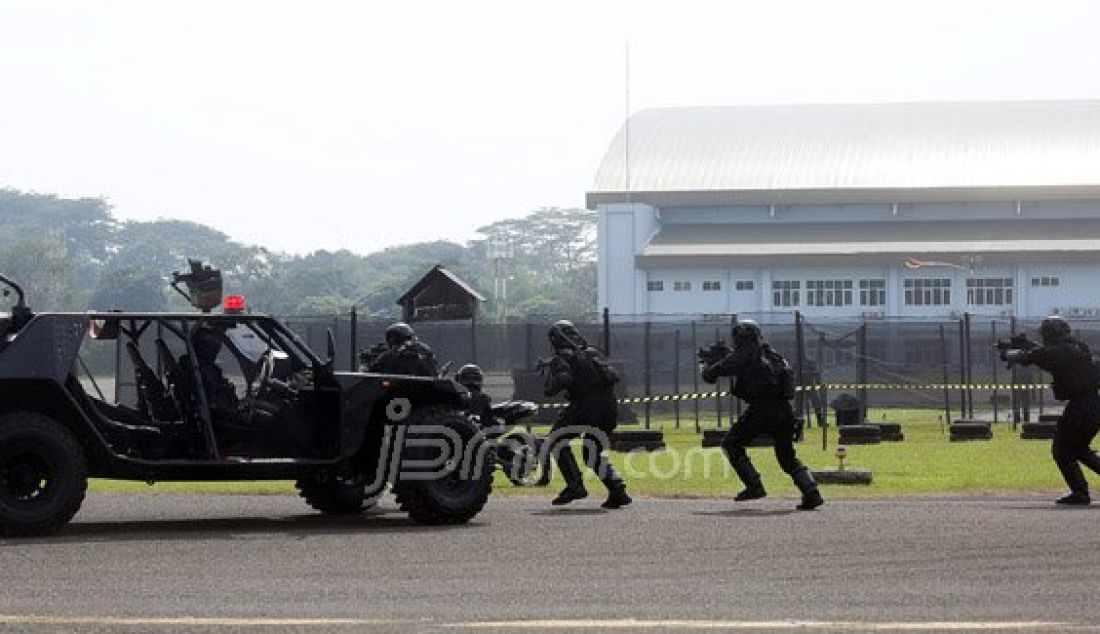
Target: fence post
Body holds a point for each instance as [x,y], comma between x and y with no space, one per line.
[335,337]
[695,375]
[946,375]
[823,393]
[861,368]
[676,374]
[996,392]
[528,361]
[353,336]
[962,368]
[607,332]
[718,390]
[648,369]
[1015,378]
[969,370]
[473,338]
[800,347]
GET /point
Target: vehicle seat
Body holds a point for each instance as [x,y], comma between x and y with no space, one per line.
[179,383]
[154,399]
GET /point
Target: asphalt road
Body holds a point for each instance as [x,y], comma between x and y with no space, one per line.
[226,563]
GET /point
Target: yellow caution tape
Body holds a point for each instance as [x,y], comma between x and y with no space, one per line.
[692,396]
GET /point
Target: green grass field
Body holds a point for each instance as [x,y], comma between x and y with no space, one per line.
[924,464]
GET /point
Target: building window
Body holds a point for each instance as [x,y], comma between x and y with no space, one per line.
[785,293]
[1046,280]
[681,286]
[828,292]
[713,285]
[656,285]
[872,292]
[989,291]
[744,285]
[928,292]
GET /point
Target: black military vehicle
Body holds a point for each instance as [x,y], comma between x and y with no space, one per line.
[159,397]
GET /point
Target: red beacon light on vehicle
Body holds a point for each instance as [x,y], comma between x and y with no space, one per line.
[234,304]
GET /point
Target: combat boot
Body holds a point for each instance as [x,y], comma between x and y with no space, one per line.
[751,492]
[571,473]
[617,497]
[1075,498]
[811,497]
[742,466]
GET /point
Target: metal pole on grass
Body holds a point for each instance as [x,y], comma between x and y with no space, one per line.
[946,375]
[962,368]
[695,375]
[353,337]
[648,386]
[861,366]
[996,392]
[717,392]
[969,370]
[676,374]
[1015,378]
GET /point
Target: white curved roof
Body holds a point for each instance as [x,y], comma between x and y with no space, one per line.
[868,147]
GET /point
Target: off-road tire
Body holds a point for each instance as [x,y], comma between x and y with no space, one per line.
[454,498]
[333,495]
[43,475]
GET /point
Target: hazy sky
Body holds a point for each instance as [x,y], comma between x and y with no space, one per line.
[360,125]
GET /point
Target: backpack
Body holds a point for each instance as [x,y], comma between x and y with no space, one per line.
[782,376]
[604,370]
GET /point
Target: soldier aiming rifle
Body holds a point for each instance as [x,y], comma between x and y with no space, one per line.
[764,381]
[1076,380]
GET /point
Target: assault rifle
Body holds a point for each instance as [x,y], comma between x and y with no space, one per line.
[1018,341]
[715,353]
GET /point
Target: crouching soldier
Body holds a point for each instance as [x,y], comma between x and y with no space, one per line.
[588,382]
[764,381]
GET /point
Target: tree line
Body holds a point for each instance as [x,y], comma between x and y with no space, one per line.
[75,255]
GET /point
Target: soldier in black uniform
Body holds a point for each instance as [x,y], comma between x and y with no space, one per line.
[403,353]
[221,395]
[588,382]
[472,378]
[763,380]
[1070,362]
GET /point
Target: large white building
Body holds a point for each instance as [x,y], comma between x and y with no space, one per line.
[914,210]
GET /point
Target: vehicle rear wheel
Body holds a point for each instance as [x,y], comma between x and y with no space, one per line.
[455,491]
[43,475]
[336,495]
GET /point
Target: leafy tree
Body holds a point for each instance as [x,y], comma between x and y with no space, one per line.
[130,288]
[44,270]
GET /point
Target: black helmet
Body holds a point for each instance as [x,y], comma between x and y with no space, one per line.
[563,334]
[1053,329]
[470,375]
[746,331]
[398,334]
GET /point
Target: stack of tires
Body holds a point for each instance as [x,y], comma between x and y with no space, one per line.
[638,440]
[1042,430]
[965,430]
[860,434]
[891,432]
[713,437]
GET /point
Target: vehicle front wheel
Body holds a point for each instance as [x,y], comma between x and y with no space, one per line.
[43,475]
[457,487]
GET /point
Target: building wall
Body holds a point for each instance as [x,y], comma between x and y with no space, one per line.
[1037,289]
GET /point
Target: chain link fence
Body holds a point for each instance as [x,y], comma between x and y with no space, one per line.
[882,362]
